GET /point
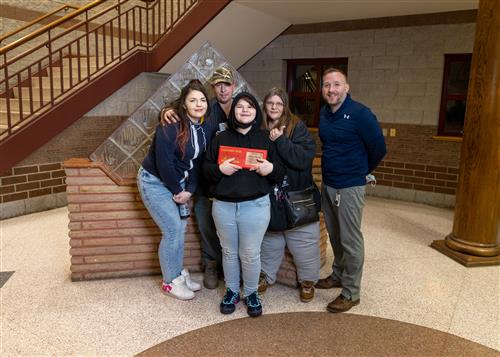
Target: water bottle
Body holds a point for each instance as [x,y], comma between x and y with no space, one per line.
[184,211]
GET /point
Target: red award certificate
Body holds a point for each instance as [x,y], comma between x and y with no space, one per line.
[243,157]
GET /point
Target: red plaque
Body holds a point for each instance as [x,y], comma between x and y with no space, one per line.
[244,157]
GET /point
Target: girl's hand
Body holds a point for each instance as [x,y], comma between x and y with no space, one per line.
[182,197]
[227,168]
[263,168]
[276,133]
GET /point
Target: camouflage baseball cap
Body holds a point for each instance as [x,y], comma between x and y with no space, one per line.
[222,75]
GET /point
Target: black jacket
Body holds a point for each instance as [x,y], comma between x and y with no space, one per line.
[243,185]
[297,154]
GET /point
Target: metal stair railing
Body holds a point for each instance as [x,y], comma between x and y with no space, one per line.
[59,62]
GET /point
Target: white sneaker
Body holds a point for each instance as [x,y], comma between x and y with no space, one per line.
[177,289]
[192,285]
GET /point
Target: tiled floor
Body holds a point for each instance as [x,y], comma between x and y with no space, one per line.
[44,313]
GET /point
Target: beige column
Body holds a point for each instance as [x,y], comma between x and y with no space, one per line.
[474,240]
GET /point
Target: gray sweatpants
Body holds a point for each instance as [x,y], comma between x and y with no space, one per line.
[342,211]
[303,244]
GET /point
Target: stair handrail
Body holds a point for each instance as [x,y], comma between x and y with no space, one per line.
[50,26]
[37,20]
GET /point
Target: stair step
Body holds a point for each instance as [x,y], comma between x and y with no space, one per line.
[56,82]
[92,61]
[14,105]
[14,117]
[25,91]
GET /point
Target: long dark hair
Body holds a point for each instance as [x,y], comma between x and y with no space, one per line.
[184,133]
[288,119]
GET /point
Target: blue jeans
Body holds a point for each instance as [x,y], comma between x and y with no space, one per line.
[164,211]
[241,227]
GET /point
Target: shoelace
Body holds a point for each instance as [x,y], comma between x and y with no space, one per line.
[253,300]
[230,297]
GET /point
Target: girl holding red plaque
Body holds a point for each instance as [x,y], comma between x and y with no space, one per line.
[241,208]
[168,178]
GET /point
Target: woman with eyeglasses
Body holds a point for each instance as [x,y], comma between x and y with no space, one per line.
[296,149]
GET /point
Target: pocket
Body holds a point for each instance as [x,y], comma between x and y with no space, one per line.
[262,201]
[145,176]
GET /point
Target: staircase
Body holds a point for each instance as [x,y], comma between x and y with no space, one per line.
[34,95]
[71,72]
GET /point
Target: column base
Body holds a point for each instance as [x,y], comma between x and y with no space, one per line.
[464,259]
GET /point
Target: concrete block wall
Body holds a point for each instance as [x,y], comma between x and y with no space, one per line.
[398,73]
[112,235]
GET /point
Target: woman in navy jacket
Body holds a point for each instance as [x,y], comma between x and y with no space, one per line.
[168,178]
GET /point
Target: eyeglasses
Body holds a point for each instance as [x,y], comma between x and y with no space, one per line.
[274,104]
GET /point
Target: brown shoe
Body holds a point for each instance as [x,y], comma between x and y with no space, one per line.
[328,283]
[210,277]
[341,304]
[263,284]
[306,291]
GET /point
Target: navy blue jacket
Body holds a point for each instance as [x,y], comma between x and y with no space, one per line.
[353,144]
[165,160]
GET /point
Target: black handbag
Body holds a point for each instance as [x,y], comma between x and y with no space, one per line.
[302,207]
[279,221]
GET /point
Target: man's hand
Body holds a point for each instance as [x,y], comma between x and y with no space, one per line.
[169,116]
[227,168]
[182,197]
[276,133]
[263,168]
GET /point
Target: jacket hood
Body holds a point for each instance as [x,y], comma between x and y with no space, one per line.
[231,119]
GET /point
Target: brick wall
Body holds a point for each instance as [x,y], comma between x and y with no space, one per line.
[38,182]
[32,181]
[112,235]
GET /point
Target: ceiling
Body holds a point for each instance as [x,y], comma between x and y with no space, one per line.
[314,11]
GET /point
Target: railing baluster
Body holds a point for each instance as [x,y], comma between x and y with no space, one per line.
[153,24]
[70,71]
[61,69]
[119,30]
[96,49]
[31,89]
[19,94]
[140,24]
[78,55]
[126,31]
[159,18]
[171,14]
[87,35]
[40,82]
[165,16]
[133,26]
[112,40]
[103,45]
[51,80]
[7,92]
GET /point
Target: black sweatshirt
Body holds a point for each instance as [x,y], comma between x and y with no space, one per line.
[243,185]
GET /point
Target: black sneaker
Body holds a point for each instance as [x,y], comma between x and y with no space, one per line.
[229,301]
[254,306]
